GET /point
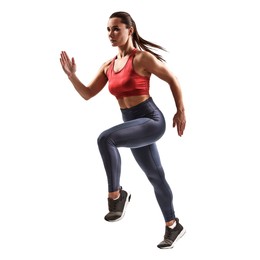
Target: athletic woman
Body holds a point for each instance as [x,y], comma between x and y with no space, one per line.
[128,77]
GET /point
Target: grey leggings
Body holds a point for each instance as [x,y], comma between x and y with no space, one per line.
[143,125]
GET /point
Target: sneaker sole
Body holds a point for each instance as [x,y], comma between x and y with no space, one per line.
[124,210]
[177,238]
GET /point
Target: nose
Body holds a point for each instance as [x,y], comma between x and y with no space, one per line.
[110,33]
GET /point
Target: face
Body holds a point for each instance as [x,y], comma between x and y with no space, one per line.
[117,32]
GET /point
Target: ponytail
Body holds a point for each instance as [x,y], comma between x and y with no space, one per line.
[138,41]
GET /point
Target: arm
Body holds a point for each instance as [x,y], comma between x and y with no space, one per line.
[159,69]
[93,88]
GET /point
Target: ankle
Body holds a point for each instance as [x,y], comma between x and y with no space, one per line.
[171,224]
[114,195]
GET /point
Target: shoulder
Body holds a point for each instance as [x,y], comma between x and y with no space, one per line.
[144,57]
[146,63]
[106,65]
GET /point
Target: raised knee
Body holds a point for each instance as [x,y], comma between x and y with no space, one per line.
[103,138]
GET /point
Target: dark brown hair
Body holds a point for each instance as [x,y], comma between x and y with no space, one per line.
[138,41]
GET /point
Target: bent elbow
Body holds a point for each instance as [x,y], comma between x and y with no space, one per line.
[86,94]
[86,97]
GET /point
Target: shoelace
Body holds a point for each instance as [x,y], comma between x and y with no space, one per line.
[167,234]
[112,205]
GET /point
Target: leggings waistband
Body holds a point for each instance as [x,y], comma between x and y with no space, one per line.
[143,108]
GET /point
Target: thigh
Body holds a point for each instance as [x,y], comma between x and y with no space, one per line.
[134,133]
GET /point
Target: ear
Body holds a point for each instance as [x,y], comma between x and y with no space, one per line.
[131,30]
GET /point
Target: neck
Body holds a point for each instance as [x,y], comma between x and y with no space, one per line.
[124,51]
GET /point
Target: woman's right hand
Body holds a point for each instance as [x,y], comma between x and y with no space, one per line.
[68,66]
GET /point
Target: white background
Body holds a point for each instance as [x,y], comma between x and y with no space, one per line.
[52,183]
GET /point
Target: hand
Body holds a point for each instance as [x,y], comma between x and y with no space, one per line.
[69,66]
[180,121]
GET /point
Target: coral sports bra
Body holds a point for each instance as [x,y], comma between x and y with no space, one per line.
[127,82]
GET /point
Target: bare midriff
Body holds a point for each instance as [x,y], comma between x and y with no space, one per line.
[128,102]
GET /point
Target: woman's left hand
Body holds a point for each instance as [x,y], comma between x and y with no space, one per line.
[179,120]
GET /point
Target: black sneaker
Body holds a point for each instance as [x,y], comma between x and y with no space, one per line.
[117,207]
[172,235]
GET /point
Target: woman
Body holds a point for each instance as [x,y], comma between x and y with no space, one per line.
[127,75]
